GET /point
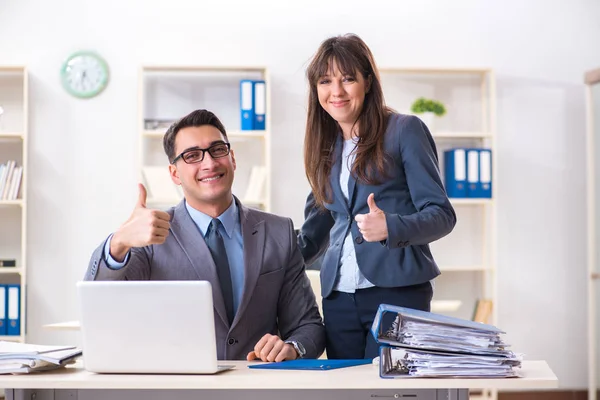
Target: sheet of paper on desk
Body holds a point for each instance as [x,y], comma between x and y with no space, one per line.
[25,358]
[25,369]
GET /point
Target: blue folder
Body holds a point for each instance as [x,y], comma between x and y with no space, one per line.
[260,105]
[3,309]
[485,173]
[247,104]
[312,364]
[13,309]
[455,172]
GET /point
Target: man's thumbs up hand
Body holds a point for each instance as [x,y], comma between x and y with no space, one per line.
[143,228]
[142,196]
[372,226]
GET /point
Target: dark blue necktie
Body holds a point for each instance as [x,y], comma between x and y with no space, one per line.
[219,255]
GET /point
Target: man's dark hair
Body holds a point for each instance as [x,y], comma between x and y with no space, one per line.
[195,118]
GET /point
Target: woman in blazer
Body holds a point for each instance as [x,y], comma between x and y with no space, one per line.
[376,201]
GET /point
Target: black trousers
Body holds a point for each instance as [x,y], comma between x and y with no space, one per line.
[348,317]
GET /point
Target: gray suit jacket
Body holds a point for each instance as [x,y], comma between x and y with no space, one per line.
[277,297]
[417,212]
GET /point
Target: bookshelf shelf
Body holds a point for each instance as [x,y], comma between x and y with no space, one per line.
[18,203]
[247,134]
[465,268]
[159,201]
[11,270]
[12,135]
[12,338]
[462,135]
[445,306]
[471,202]
[157,134]
[177,70]
[436,71]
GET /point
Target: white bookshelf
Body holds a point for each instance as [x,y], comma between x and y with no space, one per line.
[13,212]
[592,81]
[462,135]
[467,256]
[170,92]
[471,202]
[465,268]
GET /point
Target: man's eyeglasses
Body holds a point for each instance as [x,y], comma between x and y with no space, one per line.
[195,155]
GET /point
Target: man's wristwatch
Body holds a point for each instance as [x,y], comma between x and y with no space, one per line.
[298,347]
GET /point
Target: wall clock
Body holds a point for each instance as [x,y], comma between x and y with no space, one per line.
[84,74]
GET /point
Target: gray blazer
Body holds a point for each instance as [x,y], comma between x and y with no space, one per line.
[277,296]
[417,212]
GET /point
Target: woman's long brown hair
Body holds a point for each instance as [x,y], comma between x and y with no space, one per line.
[352,56]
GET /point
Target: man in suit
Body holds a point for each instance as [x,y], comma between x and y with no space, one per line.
[264,305]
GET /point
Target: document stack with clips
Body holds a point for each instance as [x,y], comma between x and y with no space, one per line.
[421,344]
[22,358]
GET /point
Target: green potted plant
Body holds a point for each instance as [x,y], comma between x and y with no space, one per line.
[427,109]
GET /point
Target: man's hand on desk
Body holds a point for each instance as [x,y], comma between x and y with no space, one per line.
[272,348]
[144,227]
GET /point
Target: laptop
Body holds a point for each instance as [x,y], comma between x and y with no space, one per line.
[148,327]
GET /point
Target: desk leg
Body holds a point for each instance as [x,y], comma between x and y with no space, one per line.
[453,394]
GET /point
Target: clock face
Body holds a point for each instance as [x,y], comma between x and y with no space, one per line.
[84,74]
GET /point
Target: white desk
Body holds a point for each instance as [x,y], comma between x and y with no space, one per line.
[362,382]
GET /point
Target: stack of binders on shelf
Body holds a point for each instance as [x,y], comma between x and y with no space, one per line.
[253,105]
[10,310]
[421,344]
[468,173]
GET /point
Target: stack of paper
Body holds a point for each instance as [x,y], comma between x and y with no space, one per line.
[18,358]
[423,344]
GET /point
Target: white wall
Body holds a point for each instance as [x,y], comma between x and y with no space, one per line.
[83,153]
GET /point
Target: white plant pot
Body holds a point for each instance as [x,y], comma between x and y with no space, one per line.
[428,118]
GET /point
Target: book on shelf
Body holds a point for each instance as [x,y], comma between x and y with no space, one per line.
[11,262]
[483,311]
[10,180]
[255,192]
[7,172]
[15,184]
[3,176]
